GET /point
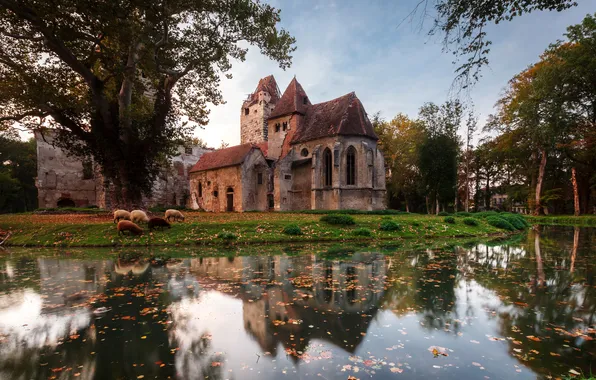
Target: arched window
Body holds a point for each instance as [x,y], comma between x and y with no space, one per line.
[351,166]
[327,167]
[200,190]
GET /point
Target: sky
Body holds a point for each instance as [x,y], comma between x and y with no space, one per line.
[356,45]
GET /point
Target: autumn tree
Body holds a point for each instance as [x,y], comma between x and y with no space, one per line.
[114,79]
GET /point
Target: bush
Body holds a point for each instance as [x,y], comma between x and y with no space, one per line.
[485,214]
[499,222]
[362,232]
[449,219]
[516,221]
[389,225]
[350,212]
[292,229]
[463,213]
[443,213]
[416,224]
[338,219]
[228,236]
[470,222]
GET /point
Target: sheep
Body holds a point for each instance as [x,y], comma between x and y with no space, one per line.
[173,214]
[125,225]
[158,222]
[138,216]
[121,215]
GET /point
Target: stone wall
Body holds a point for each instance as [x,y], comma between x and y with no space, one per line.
[208,188]
[254,194]
[253,119]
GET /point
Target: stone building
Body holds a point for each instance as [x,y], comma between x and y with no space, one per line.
[66,181]
[294,155]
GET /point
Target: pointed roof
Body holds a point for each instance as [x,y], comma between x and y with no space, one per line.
[293,100]
[341,116]
[231,156]
[266,84]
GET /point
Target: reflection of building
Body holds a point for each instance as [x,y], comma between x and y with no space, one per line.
[282,296]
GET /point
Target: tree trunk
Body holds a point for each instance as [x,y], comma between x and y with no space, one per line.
[537,206]
[407,206]
[575,193]
[437,204]
[427,208]
[487,192]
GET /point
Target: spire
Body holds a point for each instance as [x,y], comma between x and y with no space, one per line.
[294,100]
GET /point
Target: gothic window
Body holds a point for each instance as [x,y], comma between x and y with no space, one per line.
[200,189]
[327,167]
[260,178]
[351,166]
[277,127]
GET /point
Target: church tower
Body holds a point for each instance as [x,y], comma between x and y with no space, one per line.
[256,110]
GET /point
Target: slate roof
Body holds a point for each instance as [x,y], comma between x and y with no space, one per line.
[231,156]
[291,101]
[341,116]
[266,84]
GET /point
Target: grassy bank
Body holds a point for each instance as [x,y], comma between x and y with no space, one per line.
[564,220]
[97,230]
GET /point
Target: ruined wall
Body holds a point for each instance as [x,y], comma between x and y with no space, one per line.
[301,185]
[253,119]
[61,178]
[214,184]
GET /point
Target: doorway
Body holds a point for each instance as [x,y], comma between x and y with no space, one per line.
[230,198]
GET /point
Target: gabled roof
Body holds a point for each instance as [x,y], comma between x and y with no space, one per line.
[341,116]
[266,84]
[231,156]
[293,100]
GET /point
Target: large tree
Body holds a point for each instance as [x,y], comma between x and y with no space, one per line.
[116,79]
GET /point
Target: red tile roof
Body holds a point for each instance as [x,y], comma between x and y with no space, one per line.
[231,156]
[291,101]
[266,84]
[342,116]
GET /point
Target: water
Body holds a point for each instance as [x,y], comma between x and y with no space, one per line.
[519,309]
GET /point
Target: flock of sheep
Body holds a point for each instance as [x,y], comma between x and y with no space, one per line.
[126,221]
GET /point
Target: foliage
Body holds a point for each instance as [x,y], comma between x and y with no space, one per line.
[499,222]
[362,231]
[463,213]
[470,222]
[348,212]
[338,219]
[227,236]
[516,221]
[114,80]
[449,219]
[18,169]
[292,229]
[464,24]
[389,225]
[443,213]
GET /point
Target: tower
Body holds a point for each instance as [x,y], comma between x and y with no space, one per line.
[256,110]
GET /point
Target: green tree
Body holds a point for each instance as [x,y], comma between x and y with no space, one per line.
[115,78]
[18,166]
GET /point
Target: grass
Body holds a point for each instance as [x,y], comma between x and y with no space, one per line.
[200,228]
[563,220]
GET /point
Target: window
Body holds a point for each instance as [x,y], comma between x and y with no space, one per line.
[287,176]
[277,127]
[246,111]
[327,167]
[305,100]
[260,178]
[304,152]
[87,169]
[188,150]
[285,125]
[215,193]
[200,189]
[351,166]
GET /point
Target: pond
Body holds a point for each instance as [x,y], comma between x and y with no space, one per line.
[523,308]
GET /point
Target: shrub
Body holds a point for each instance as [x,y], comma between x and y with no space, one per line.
[499,222]
[516,221]
[470,221]
[338,219]
[463,213]
[227,236]
[292,229]
[485,214]
[389,225]
[362,232]
[449,219]
[416,224]
[443,213]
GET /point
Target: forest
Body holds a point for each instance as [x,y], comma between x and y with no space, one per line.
[535,154]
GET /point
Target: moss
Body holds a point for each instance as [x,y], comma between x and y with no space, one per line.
[497,221]
[443,213]
[389,225]
[292,229]
[470,222]
[463,213]
[338,219]
[516,221]
[449,219]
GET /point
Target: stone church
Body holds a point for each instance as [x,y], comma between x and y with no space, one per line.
[294,155]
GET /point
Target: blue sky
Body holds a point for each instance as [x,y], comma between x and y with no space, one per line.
[355,45]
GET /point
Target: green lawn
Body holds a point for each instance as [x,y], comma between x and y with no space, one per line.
[72,230]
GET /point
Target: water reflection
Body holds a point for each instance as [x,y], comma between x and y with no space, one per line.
[524,308]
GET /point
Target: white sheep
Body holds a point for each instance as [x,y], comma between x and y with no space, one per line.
[173,214]
[137,216]
[121,215]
